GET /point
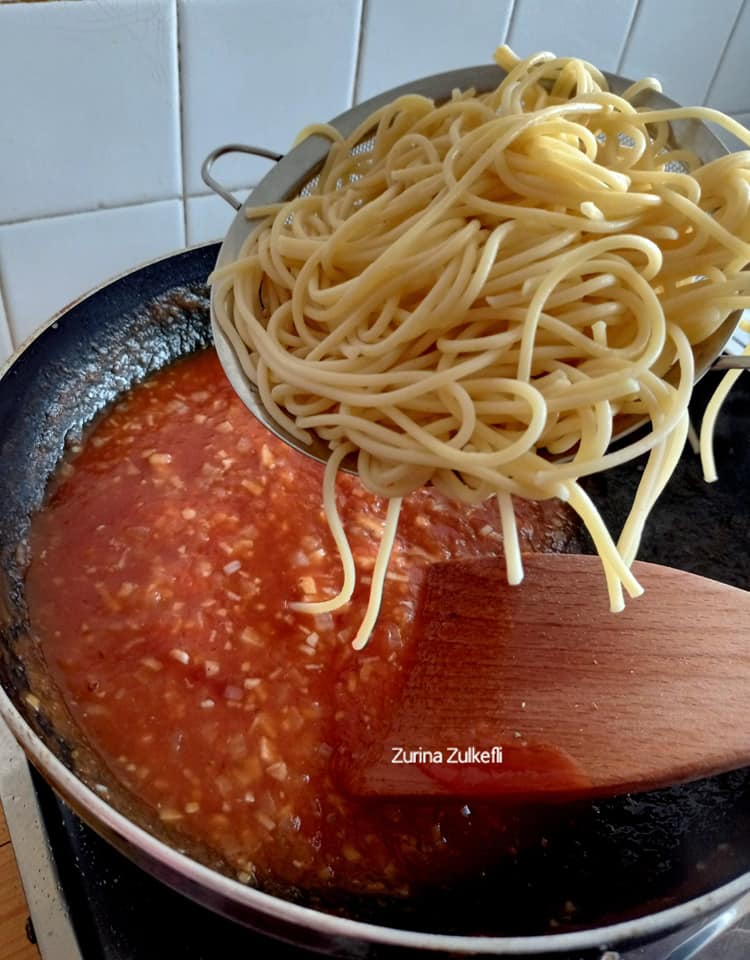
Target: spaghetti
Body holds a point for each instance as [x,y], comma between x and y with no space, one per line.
[472,291]
[708,424]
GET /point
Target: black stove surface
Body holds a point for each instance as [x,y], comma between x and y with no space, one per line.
[119,912]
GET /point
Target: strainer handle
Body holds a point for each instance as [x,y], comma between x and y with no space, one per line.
[208,163]
[729,362]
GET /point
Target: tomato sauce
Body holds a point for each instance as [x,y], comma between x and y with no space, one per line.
[174,538]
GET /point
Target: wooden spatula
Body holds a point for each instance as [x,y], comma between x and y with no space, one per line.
[579,701]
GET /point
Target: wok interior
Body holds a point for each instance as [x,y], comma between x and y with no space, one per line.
[555,868]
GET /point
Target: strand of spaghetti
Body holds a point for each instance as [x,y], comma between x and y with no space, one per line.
[709,224]
[370,447]
[511,546]
[682,395]
[436,258]
[575,259]
[457,400]
[658,395]
[646,345]
[359,433]
[301,373]
[540,250]
[339,535]
[708,424]
[320,130]
[706,114]
[368,279]
[281,417]
[617,574]
[378,574]
[661,465]
[640,86]
[452,238]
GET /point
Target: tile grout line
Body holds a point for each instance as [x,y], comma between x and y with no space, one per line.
[6,312]
[181,120]
[357,78]
[628,35]
[514,4]
[724,49]
[84,211]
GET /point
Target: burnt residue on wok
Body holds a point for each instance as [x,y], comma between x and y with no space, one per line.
[554,868]
[74,369]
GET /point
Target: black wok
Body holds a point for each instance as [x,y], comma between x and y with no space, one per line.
[578,880]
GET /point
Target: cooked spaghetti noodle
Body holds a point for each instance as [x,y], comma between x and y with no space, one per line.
[471,291]
[713,409]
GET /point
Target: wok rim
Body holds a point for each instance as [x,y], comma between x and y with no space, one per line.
[643,929]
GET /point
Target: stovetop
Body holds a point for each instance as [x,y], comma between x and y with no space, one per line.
[88,902]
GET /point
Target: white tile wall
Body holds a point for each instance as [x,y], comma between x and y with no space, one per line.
[87,105]
[46,263]
[208,218]
[731,88]
[402,41]
[685,68]
[590,29]
[257,71]
[108,107]
[6,345]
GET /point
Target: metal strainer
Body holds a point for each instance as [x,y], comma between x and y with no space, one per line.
[296,173]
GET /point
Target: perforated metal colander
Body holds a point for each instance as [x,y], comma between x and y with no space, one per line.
[296,174]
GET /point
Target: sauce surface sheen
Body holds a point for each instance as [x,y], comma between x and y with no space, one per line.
[174,538]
